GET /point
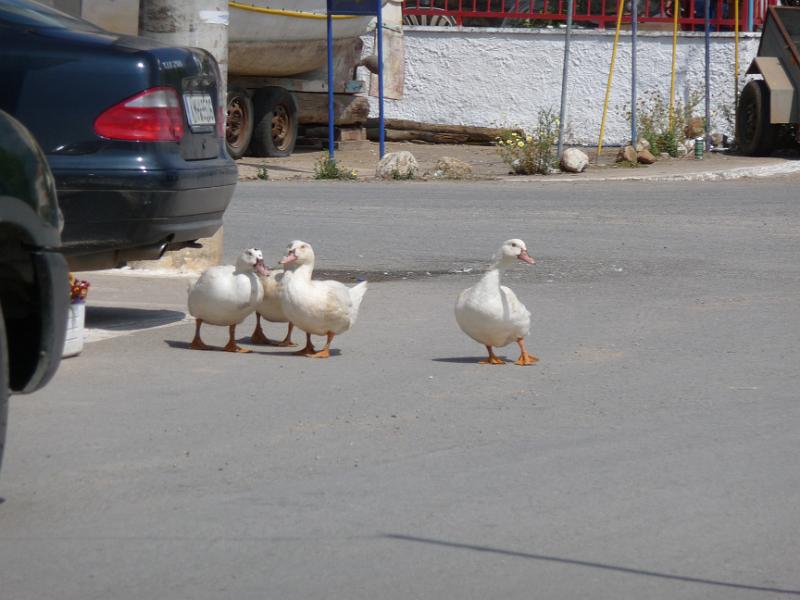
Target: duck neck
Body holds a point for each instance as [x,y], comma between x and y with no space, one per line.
[302,272]
[492,277]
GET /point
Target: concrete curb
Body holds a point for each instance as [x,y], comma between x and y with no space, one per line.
[774,170]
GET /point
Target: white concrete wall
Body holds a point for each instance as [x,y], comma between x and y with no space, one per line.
[503,77]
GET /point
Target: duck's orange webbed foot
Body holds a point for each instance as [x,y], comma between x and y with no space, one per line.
[197,343]
[326,349]
[493,359]
[232,346]
[287,341]
[524,358]
[308,350]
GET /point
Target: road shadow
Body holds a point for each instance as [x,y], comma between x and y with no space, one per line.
[113,318]
[464,360]
[587,564]
[184,345]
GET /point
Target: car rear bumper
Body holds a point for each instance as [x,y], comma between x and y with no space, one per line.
[107,210]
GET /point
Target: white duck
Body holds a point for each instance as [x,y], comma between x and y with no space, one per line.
[225,295]
[320,307]
[270,309]
[491,314]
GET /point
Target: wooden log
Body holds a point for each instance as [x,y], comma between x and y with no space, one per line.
[312,109]
[474,134]
[395,135]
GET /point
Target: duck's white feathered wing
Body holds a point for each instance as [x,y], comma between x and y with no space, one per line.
[493,318]
[222,297]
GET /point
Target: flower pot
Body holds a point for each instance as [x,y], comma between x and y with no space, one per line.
[73,342]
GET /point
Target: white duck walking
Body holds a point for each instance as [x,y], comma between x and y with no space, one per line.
[271,310]
[225,295]
[317,307]
[491,314]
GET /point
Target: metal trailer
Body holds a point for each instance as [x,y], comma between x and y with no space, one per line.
[770,104]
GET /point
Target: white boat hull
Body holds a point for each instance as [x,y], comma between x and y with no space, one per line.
[279,45]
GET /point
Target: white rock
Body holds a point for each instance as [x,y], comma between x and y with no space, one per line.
[574,160]
[643,144]
[397,165]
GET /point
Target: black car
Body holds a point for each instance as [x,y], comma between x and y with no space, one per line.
[133,132]
[34,293]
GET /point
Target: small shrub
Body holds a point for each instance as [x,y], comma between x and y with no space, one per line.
[533,153]
[326,168]
[263,172]
[652,115]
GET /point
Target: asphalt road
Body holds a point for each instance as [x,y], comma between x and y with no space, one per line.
[652,453]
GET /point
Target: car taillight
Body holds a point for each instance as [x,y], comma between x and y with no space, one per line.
[153,115]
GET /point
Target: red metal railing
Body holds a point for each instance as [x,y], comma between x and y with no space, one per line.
[657,14]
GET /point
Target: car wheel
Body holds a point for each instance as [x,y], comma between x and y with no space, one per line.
[755,135]
[275,131]
[3,384]
[238,122]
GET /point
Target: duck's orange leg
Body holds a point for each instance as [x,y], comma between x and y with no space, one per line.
[308,350]
[197,343]
[232,346]
[326,349]
[493,358]
[524,357]
[258,337]
[287,341]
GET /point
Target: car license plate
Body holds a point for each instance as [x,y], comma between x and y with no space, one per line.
[199,109]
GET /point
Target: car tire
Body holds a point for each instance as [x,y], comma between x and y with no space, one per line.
[238,122]
[755,135]
[4,389]
[275,130]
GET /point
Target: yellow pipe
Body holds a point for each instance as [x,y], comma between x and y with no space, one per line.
[676,8]
[294,14]
[610,79]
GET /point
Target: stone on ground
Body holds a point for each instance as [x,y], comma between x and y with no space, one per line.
[397,165]
[626,154]
[574,160]
[645,157]
[452,168]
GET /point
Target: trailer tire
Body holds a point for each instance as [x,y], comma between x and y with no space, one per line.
[275,131]
[238,122]
[755,135]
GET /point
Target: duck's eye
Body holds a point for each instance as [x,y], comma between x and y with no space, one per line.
[513,245]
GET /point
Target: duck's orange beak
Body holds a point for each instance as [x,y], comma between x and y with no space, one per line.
[261,268]
[523,255]
[290,257]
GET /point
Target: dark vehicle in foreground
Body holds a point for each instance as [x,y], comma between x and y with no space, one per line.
[34,294]
[133,132]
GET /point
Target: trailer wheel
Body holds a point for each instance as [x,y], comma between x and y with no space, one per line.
[238,122]
[755,135]
[275,131]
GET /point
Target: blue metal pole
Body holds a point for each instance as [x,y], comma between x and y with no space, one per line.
[330,83]
[380,77]
[708,69]
[634,29]
[562,119]
[750,8]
